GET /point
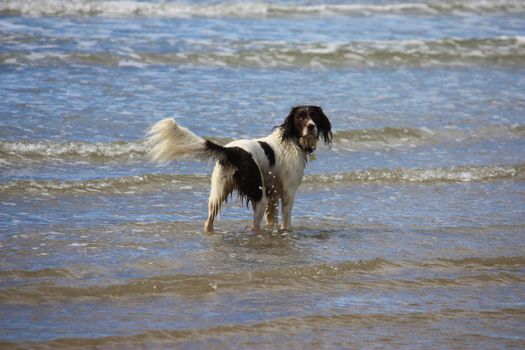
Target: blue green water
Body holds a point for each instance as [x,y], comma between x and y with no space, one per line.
[408,232]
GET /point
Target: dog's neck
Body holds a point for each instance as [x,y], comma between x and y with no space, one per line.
[308,143]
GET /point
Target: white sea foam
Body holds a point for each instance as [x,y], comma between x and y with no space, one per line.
[449,51]
[449,174]
[84,150]
[126,8]
[131,63]
[133,185]
[75,244]
[520,39]
[81,152]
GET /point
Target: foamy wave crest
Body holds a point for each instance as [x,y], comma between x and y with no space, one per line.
[270,54]
[14,151]
[96,152]
[68,150]
[452,174]
[126,185]
[176,182]
[383,134]
[403,137]
[130,8]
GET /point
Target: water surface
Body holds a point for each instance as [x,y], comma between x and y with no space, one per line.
[408,232]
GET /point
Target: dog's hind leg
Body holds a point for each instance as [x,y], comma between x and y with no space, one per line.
[221,187]
[259,208]
[213,209]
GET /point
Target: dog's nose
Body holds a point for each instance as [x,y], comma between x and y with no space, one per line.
[311,126]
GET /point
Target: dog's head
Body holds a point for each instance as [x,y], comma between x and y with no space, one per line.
[305,124]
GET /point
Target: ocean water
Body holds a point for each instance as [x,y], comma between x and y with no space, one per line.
[409,232]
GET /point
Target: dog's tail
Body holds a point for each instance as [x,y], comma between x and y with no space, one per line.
[170,141]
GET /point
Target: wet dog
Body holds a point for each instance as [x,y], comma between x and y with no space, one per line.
[263,171]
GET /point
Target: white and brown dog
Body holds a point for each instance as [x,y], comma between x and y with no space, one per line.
[263,171]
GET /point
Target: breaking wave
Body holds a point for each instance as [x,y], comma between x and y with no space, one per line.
[504,50]
[127,184]
[65,150]
[88,151]
[445,174]
[180,9]
[13,151]
[176,182]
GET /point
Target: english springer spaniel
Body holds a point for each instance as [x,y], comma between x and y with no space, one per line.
[263,171]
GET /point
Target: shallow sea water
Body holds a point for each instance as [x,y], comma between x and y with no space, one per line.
[408,231]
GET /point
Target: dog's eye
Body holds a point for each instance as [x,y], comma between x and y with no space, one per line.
[301,115]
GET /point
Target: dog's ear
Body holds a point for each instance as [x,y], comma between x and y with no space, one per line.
[289,128]
[323,124]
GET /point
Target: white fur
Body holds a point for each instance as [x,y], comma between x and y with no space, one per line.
[170,141]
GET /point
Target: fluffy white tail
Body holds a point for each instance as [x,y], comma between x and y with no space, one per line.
[170,141]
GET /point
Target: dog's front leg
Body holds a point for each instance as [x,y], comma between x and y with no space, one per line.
[287,205]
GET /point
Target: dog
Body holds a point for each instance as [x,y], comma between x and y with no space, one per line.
[263,171]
